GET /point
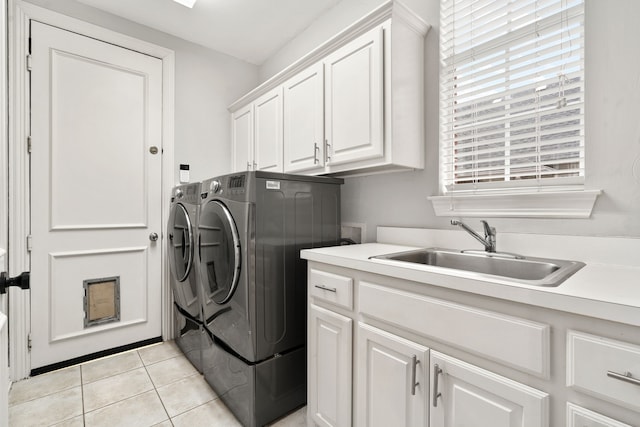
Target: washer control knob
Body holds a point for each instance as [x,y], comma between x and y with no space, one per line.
[179,194]
[216,186]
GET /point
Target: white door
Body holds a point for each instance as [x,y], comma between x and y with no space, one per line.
[242,139]
[95,196]
[466,395]
[304,121]
[330,354]
[354,100]
[268,131]
[392,385]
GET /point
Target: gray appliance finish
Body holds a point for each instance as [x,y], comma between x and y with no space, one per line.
[251,230]
[183,263]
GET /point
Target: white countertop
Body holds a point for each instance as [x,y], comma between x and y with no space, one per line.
[600,290]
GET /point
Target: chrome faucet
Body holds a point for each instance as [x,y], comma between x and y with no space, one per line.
[489,239]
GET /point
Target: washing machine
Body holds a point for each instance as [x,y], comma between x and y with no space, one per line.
[183,263]
[252,227]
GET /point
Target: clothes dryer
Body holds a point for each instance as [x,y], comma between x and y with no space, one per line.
[251,230]
[183,263]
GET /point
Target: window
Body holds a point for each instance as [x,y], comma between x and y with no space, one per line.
[511,97]
[512,85]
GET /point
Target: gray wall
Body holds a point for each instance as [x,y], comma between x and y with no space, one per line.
[206,82]
[612,128]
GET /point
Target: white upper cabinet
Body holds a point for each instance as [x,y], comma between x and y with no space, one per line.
[257,134]
[304,148]
[242,136]
[353,100]
[354,105]
[268,132]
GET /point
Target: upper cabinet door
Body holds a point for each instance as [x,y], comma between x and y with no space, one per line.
[354,100]
[242,138]
[304,121]
[268,131]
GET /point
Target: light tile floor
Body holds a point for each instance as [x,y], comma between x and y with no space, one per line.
[150,386]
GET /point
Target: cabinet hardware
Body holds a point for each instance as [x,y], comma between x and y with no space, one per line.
[324,288]
[328,150]
[248,166]
[626,377]
[315,153]
[255,166]
[414,364]
[436,394]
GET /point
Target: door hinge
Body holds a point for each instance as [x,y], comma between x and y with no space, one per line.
[29,62]
[22,281]
[29,342]
[29,243]
[29,144]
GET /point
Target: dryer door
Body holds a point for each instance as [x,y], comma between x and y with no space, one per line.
[180,242]
[219,252]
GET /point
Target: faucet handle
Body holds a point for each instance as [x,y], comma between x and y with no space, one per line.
[488,230]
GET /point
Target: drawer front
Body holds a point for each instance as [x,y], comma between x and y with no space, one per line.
[581,417]
[605,368]
[331,287]
[512,341]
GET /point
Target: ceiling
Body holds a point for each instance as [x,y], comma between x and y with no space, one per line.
[251,30]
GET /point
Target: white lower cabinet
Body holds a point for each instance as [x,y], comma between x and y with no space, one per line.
[466,395]
[381,354]
[581,417]
[392,380]
[330,361]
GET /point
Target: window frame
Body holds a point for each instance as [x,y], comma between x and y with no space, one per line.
[564,197]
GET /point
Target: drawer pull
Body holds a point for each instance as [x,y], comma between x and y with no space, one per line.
[414,365]
[324,288]
[436,394]
[626,377]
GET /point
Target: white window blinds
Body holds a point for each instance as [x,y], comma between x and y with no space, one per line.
[512,94]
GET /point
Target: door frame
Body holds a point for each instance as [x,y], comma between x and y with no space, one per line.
[20,15]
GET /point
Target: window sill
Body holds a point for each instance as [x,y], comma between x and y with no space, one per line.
[550,204]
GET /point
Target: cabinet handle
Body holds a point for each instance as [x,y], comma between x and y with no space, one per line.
[248,166]
[315,153]
[328,151]
[626,377]
[436,394]
[324,288]
[414,384]
[255,166]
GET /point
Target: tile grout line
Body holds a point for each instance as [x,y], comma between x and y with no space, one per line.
[84,422]
[44,395]
[155,389]
[196,407]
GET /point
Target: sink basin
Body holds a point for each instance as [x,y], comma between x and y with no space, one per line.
[526,270]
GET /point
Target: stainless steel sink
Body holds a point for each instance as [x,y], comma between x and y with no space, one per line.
[526,270]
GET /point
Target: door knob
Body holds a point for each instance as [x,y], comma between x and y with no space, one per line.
[153,237]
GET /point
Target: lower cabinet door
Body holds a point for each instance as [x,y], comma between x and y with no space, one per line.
[329,382]
[392,380]
[581,417]
[465,395]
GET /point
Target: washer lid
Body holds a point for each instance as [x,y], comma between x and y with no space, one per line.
[180,242]
[220,257]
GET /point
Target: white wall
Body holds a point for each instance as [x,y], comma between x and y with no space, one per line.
[612,128]
[206,82]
